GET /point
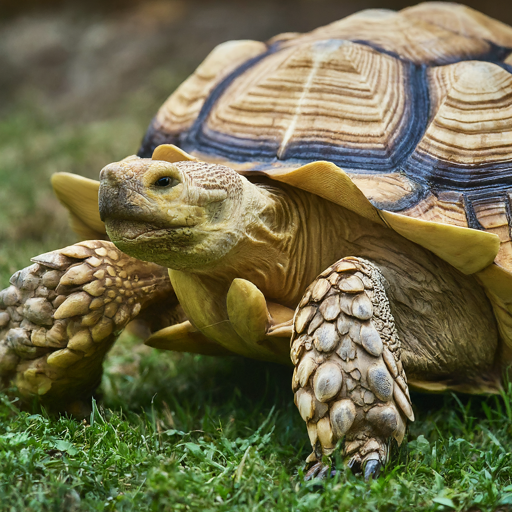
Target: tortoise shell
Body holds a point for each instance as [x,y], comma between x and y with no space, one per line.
[415,106]
[405,118]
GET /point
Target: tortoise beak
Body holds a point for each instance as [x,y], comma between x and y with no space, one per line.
[129,201]
[120,196]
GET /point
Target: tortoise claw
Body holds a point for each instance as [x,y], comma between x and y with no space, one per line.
[324,472]
[320,471]
[313,471]
[372,469]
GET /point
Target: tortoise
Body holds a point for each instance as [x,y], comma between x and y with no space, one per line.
[344,192]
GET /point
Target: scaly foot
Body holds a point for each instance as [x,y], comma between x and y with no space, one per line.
[349,382]
[62,314]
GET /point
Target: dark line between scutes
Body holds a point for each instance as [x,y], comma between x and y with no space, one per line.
[241,150]
[447,176]
[508,212]
[189,138]
[153,137]
[470,213]
[429,173]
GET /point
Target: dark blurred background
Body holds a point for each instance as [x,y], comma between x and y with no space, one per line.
[81,56]
[80,81]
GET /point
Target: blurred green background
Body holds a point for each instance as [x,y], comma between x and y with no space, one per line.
[79,83]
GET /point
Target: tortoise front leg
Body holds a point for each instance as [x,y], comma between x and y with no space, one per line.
[349,382]
[62,314]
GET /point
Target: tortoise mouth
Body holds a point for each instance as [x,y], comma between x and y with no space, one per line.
[133,231]
[169,246]
[156,233]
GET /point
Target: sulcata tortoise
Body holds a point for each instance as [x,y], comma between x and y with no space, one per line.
[346,191]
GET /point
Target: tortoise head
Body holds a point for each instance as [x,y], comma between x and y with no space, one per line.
[182,215]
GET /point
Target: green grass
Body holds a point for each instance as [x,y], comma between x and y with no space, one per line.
[196,433]
[181,432]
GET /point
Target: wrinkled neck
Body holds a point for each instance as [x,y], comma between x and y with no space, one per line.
[320,234]
[266,227]
[289,237]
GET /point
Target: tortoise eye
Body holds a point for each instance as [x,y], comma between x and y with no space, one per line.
[166,181]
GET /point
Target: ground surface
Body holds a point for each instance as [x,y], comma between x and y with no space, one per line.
[169,431]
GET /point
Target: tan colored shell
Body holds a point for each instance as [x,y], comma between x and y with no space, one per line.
[363,86]
[181,109]
[405,118]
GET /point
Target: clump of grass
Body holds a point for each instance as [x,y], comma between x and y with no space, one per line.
[183,432]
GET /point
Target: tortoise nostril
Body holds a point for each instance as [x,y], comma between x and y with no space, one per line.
[108,175]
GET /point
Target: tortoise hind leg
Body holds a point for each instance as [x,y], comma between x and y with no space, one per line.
[349,382]
[62,314]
